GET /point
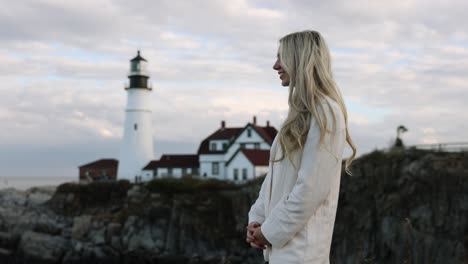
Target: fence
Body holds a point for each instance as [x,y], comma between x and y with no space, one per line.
[446,147]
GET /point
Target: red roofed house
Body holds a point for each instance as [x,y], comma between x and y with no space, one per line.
[230,153]
[221,157]
[103,169]
[171,166]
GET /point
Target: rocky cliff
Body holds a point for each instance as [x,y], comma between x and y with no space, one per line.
[399,207]
[404,207]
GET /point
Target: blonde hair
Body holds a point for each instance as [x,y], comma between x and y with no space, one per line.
[305,57]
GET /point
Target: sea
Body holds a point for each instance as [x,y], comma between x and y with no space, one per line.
[24,183]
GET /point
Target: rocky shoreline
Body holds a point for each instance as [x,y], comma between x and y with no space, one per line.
[406,206]
[118,222]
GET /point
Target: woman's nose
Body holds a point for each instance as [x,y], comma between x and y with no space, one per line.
[276,66]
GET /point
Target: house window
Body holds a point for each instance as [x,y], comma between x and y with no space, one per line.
[236,174]
[215,168]
[135,126]
[249,132]
[256,145]
[155,172]
[213,146]
[244,173]
[169,171]
[184,171]
[242,145]
[224,146]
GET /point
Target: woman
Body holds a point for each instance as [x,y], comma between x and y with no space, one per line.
[293,218]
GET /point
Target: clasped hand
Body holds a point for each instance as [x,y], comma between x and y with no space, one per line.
[255,236]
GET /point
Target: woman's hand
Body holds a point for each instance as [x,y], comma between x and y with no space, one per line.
[251,229]
[259,238]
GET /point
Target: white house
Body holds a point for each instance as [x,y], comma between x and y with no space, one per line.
[217,151]
[230,153]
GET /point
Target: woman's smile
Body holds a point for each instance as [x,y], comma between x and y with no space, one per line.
[282,74]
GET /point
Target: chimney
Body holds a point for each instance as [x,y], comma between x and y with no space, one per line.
[254,120]
[268,123]
[223,124]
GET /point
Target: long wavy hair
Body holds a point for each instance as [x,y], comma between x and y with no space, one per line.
[305,57]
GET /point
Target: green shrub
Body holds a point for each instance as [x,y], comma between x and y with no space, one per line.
[215,185]
[96,192]
[188,185]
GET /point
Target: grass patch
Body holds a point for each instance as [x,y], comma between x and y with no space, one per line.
[97,191]
[75,198]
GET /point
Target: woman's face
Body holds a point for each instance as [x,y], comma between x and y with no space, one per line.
[282,74]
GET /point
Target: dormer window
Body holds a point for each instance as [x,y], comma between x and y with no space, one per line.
[225,146]
[213,146]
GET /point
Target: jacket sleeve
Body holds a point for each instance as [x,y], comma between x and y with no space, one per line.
[257,211]
[317,168]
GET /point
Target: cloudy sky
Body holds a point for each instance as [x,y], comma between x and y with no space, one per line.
[63,67]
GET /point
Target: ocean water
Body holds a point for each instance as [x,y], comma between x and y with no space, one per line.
[24,183]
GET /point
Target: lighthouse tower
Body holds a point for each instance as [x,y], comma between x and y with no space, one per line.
[137,144]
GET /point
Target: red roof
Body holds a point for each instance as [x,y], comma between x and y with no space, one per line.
[222,133]
[102,163]
[258,157]
[267,132]
[174,161]
[226,133]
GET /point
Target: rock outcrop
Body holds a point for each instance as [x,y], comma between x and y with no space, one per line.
[400,207]
[406,206]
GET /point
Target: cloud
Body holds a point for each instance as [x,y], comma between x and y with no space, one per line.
[63,66]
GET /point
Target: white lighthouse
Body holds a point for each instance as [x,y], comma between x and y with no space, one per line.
[137,144]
